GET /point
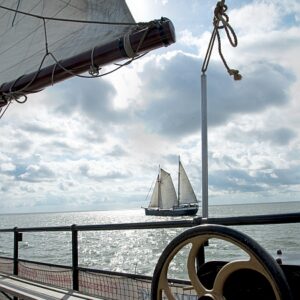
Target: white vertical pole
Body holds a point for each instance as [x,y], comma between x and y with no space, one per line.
[204,146]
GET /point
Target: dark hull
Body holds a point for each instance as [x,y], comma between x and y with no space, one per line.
[176,212]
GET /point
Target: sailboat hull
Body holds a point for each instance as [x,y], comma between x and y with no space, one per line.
[173,212]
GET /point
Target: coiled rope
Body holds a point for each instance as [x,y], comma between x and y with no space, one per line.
[221,21]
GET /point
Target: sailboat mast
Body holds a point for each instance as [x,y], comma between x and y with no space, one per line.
[178,181]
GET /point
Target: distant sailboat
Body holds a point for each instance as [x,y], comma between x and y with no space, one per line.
[164,201]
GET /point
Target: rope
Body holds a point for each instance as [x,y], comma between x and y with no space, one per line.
[220,16]
[150,189]
[17,9]
[5,109]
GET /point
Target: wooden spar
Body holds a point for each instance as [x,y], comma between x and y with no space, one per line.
[157,36]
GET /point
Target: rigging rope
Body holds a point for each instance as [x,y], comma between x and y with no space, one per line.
[220,16]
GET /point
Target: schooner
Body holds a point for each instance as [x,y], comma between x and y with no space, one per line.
[164,200]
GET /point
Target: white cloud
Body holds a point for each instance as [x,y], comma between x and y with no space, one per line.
[92,144]
[255,17]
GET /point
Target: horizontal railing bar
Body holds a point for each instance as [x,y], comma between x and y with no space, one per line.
[120,226]
[4,257]
[113,273]
[38,229]
[45,264]
[233,221]
[252,220]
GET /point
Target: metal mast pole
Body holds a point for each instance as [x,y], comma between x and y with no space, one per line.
[178,181]
[204,146]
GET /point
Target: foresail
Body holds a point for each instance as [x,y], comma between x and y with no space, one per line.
[168,193]
[187,194]
[155,196]
[40,45]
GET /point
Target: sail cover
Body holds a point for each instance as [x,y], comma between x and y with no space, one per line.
[36,47]
[187,194]
[168,193]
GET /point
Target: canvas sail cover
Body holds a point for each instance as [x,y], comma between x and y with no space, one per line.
[154,203]
[22,46]
[187,194]
[168,193]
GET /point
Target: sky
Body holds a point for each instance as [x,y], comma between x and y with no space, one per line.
[96,144]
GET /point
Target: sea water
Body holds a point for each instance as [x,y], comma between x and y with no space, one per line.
[137,251]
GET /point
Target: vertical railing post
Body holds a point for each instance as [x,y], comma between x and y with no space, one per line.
[75,257]
[16,251]
[16,254]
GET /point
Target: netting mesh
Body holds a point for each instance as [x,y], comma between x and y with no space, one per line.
[107,286]
[6,266]
[113,287]
[125,288]
[55,276]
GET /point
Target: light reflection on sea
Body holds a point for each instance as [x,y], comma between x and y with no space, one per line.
[137,251]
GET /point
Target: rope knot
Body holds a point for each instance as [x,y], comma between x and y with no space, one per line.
[219,11]
[235,73]
[94,70]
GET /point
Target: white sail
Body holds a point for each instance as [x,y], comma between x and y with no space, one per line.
[187,194]
[154,203]
[22,46]
[168,193]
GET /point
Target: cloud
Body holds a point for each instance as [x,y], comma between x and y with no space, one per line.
[172,95]
[92,99]
[7,167]
[265,15]
[256,16]
[117,151]
[278,137]
[97,143]
[102,174]
[239,180]
[37,173]
[39,128]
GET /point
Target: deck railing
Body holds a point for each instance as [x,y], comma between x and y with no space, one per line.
[74,229]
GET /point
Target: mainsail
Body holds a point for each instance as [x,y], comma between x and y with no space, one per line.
[186,194]
[168,193]
[43,42]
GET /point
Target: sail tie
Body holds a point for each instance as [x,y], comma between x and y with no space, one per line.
[94,69]
[220,16]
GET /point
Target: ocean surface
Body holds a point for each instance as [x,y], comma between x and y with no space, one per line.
[137,251]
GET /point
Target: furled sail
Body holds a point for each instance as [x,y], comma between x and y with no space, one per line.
[40,45]
[168,193]
[187,194]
